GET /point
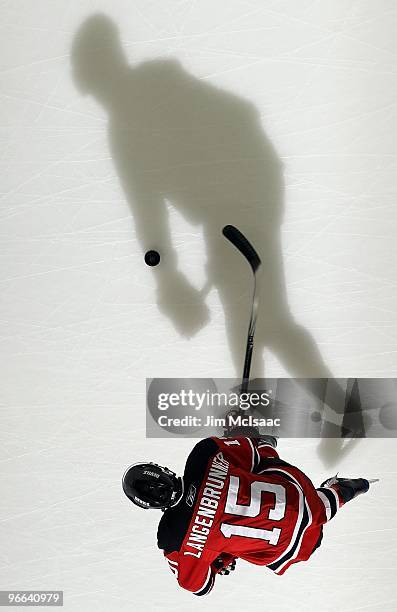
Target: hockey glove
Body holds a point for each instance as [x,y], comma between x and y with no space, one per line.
[224,570]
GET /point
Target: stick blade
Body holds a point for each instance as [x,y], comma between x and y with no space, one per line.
[243,245]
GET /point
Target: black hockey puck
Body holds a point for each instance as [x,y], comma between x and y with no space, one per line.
[152,258]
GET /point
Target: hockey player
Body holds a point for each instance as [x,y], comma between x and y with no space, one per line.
[236,499]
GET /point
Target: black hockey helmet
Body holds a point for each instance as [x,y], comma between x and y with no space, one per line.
[149,485]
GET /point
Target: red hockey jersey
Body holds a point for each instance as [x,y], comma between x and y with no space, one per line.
[240,501]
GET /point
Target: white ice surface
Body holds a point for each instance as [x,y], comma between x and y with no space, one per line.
[80,326]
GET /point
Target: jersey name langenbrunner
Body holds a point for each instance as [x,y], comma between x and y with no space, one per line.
[208,505]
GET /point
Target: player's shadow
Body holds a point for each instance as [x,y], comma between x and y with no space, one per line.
[180,140]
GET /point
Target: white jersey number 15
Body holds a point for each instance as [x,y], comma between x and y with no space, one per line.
[253,509]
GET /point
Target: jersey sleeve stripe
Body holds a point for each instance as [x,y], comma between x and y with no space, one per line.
[304,520]
[208,584]
[253,454]
[258,457]
[326,503]
[332,498]
[334,492]
[307,521]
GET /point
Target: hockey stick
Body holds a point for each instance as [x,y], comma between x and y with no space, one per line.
[245,247]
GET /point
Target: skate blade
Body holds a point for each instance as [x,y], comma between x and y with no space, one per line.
[371,480]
